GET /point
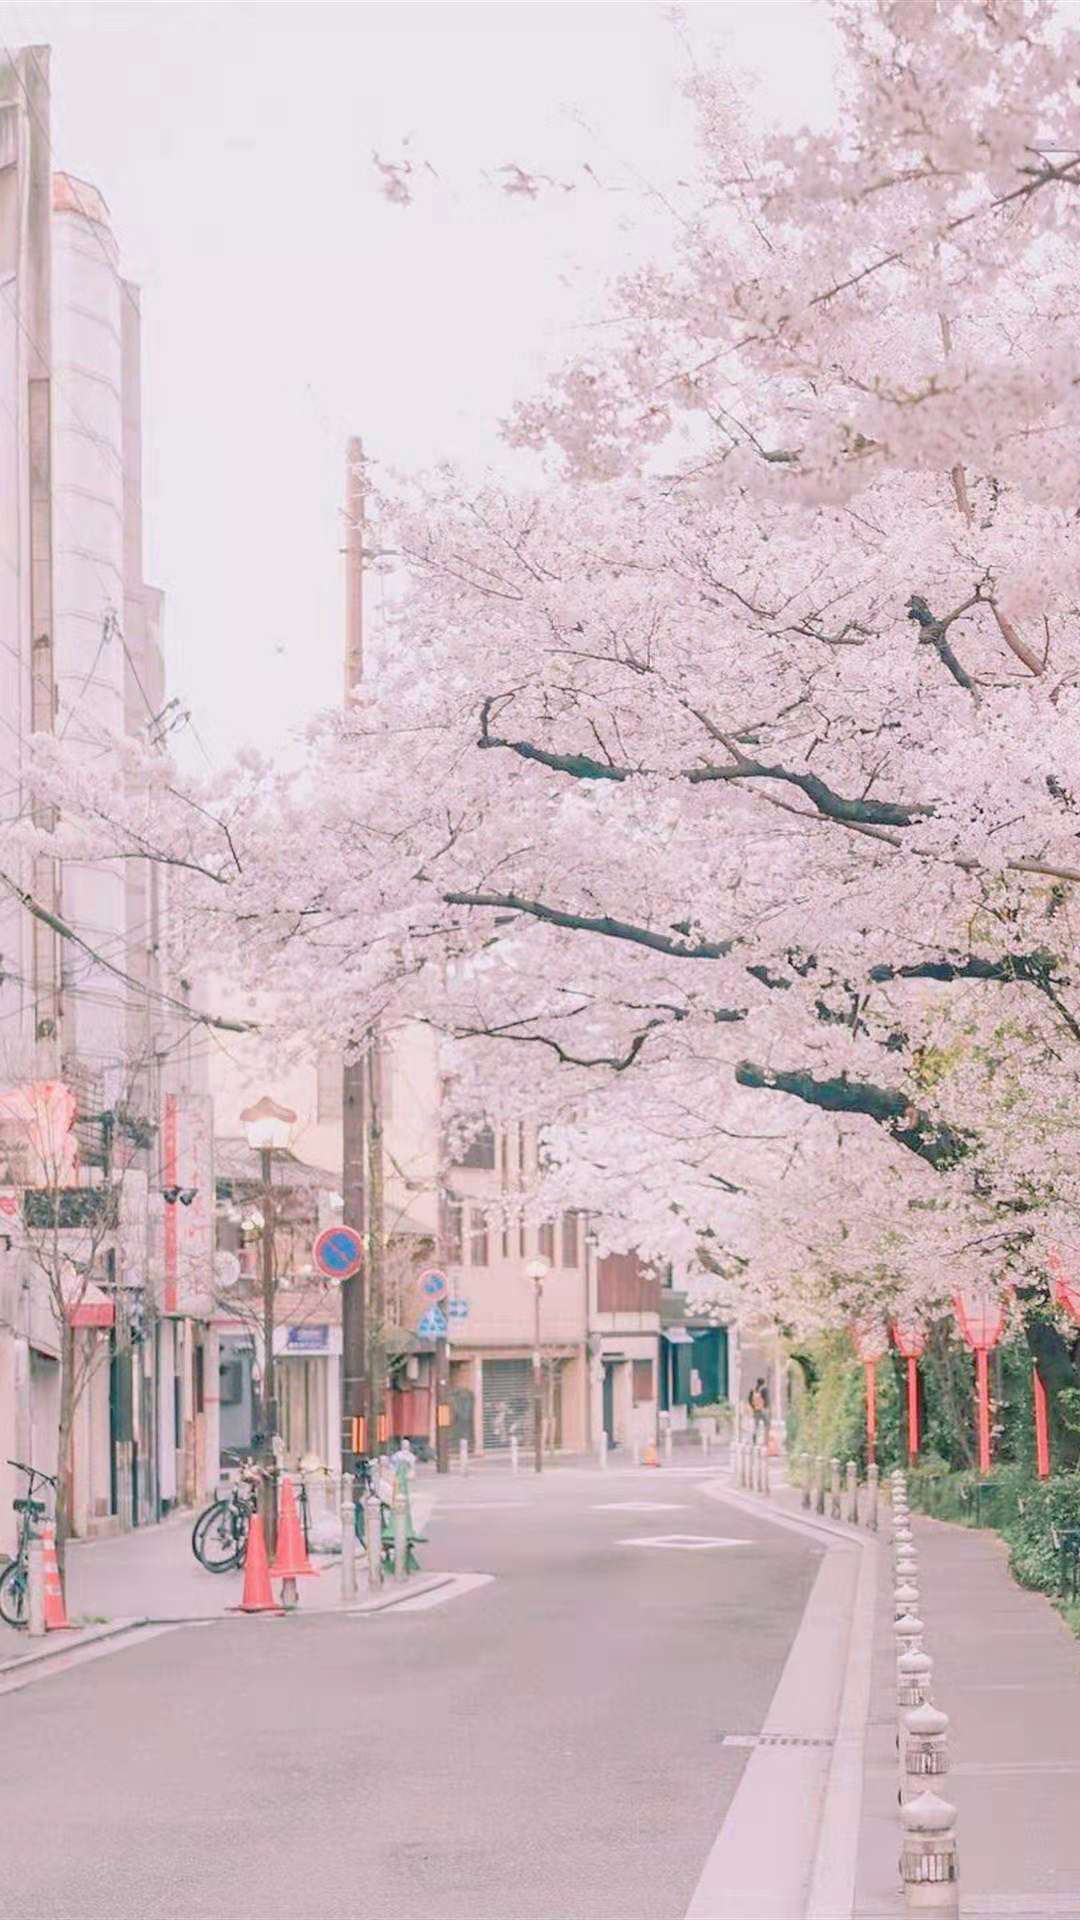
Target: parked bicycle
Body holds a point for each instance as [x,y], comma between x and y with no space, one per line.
[220,1535]
[15,1579]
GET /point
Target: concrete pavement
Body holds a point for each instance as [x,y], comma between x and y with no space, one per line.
[553,1743]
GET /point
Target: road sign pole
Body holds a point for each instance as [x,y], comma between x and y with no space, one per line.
[442,1405]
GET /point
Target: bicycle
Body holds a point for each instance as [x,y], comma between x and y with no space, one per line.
[220,1535]
[15,1579]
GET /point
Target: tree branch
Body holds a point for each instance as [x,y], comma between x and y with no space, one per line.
[602,924]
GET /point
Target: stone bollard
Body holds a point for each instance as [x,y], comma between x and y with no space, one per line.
[373,1541]
[819,1483]
[766,1471]
[905,1561]
[635,1452]
[929,1866]
[908,1630]
[705,1442]
[514,1452]
[914,1676]
[463,1455]
[601,1450]
[667,1446]
[348,1538]
[905,1597]
[35,1588]
[925,1748]
[871,1498]
[834,1489]
[852,1515]
[804,1477]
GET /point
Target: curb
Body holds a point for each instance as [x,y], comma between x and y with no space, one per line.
[87,1636]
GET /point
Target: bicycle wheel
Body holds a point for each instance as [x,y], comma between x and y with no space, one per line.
[13,1594]
[214,1542]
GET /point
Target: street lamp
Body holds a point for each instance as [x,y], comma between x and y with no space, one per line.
[537,1271]
[268,1128]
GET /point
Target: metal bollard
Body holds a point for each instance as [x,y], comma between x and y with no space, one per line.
[635,1452]
[834,1489]
[704,1443]
[514,1453]
[820,1483]
[929,1866]
[806,1477]
[463,1455]
[737,1464]
[348,1539]
[852,1477]
[667,1446]
[35,1589]
[601,1448]
[401,1537]
[872,1498]
[373,1540]
[765,1471]
[761,1477]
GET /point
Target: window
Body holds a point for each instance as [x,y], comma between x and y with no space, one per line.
[479,1251]
[329,1088]
[523,1243]
[521,1150]
[642,1381]
[450,1225]
[504,1160]
[505,1234]
[546,1241]
[480,1151]
[570,1254]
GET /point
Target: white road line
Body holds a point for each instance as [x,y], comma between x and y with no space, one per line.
[639,1506]
[786,1790]
[479,1506]
[461,1583]
[79,1656]
[682,1542]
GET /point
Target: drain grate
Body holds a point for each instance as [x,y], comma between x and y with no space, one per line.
[776,1740]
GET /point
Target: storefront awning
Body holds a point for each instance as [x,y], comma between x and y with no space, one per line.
[678,1337]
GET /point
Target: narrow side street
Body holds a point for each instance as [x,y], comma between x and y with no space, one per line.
[550,1743]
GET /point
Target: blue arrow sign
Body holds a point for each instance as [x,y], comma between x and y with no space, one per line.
[458,1309]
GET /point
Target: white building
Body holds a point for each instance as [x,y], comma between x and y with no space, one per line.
[81,658]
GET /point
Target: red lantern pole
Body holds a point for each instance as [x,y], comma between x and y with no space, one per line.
[1042,1426]
[912,1407]
[982,1376]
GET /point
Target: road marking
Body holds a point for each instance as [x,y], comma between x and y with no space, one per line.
[461,1583]
[682,1542]
[640,1506]
[479,1506]
[79,1656]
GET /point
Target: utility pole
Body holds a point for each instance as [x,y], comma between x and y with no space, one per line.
[356,1439]
[376,1298]
[269,1394]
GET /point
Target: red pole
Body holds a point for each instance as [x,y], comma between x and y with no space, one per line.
[912,1407]
[871,1411]
[982,1375]
[1042,1425]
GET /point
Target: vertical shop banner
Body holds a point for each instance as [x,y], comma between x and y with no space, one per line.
[188,1173]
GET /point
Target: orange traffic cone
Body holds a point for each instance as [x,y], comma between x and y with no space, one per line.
[258,1595]
[291,1558]
[55,1613]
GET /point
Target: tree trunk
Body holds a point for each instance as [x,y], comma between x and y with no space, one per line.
[65,1471]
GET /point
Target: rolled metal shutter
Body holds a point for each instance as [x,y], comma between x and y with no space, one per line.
[507,1406]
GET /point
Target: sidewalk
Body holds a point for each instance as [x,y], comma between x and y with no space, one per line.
[1007,1672]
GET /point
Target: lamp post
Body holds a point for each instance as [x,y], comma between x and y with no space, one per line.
[268,1128]
[910,1341]
[871,1343]
[537,1271]
[592,1241]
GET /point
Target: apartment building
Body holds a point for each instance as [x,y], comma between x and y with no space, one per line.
[86,1034]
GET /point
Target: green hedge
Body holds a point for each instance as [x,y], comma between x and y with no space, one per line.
[830,1418]
[1023,1509]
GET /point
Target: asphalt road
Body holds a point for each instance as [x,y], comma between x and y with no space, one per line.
[545,1747]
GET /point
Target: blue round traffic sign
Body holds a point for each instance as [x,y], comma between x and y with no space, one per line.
[338,1253]
[434,1284]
